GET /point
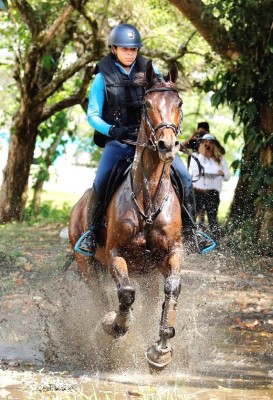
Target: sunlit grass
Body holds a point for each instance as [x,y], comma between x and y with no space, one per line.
[59,198]
[56,206]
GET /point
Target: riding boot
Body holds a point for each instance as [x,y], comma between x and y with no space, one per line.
[189,216]
[87,243]
[195,241]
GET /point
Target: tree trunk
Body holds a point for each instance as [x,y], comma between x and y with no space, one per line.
[37,195]
[240,209]
[15,176]
[264,212]
[256,205]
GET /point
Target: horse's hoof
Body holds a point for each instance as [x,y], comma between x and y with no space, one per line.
[110,327]
[159,357]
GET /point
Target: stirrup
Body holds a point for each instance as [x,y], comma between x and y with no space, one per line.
[211,244]
[77,245]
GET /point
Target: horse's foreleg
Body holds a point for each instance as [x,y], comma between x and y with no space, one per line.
[160,354]
[172,289]
[117,323]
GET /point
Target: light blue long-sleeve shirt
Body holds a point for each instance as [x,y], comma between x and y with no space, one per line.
[96,101]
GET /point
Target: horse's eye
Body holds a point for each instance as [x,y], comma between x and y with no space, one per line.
[180,104]
[148,104]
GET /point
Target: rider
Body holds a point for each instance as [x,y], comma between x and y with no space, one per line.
[114,111]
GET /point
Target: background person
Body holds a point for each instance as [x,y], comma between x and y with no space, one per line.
[193,144]
[207,189]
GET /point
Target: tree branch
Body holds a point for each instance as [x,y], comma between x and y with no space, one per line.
[209,27]
[76,98]
[28,15]
[46,36]
[63,76]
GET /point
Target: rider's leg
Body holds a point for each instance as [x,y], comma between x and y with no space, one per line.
[189,215]
[194,241]
[203,203]
[94,205]
[113,152]
[212,206]
[201,219]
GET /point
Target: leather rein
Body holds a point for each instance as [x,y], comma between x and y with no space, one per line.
[153,212]
[153,129]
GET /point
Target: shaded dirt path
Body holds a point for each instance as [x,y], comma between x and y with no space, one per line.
[51,339]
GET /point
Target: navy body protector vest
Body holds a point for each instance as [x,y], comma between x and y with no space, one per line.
[123,98]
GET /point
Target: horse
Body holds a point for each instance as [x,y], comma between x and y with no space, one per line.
[143,222]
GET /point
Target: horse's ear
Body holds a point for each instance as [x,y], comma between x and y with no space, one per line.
[149,73]
[173,72]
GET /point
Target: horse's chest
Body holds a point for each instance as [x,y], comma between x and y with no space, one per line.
[141,236]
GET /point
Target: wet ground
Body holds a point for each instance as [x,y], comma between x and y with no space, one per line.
[52,345]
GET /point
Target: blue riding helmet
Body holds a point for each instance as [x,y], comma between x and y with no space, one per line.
[125,35]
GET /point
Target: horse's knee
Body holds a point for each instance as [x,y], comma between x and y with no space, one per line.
[172,286]
[126,296]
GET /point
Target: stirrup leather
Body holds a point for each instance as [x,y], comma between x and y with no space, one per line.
[91,253]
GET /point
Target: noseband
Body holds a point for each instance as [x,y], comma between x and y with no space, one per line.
[164,125]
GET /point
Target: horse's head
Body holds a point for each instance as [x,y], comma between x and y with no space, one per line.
[162,112]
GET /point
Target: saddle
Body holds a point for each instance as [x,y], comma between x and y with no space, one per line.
[118,175]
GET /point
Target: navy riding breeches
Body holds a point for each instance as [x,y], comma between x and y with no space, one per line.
[115,151]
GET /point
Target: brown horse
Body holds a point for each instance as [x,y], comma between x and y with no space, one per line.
[142,229]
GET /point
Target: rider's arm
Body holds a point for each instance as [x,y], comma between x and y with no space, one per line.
[95,105]
[96,101]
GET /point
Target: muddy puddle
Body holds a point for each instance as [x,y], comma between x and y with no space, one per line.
[52,345]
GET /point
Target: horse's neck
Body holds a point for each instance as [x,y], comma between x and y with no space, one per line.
[148,171]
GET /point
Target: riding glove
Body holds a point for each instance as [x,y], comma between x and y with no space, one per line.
[118,133]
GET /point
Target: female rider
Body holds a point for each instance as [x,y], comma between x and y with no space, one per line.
[114,111]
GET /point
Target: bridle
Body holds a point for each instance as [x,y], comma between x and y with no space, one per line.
[164,125]
[152,213]
[152,143]
[154,205]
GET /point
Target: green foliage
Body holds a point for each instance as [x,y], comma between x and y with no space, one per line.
[48,213]
[51,141]
[246,84]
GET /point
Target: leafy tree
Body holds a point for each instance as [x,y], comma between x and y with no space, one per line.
[52,49]
[53,46]
[53,136]
[54,43]
[240,34]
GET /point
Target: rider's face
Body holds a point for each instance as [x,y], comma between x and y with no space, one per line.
[125,55]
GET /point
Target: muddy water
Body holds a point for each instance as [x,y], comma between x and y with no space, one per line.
[55,326]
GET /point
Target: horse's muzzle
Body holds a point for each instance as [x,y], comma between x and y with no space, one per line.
[167,150]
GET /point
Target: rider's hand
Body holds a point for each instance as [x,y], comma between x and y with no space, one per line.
[118,133]
[133,132]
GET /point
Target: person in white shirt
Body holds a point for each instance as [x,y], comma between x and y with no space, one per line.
[207,189]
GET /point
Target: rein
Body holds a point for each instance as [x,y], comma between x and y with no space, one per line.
[153,206]
[154,129]
[152,214]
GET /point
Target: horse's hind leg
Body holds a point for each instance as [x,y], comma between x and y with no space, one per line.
[160,354]
[117,323]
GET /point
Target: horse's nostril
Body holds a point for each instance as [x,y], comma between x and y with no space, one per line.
[161,145]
